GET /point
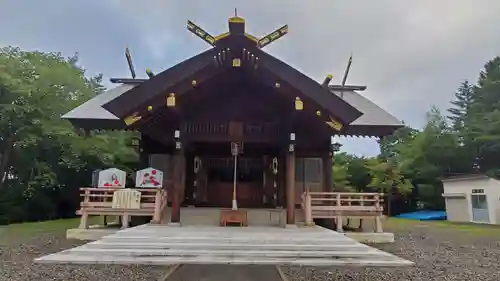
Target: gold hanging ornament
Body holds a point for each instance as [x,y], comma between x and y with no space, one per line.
[171,100]
[299,105]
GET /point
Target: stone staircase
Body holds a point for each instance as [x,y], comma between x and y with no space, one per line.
[164,245]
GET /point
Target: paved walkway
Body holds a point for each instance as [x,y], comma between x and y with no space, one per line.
[225,273]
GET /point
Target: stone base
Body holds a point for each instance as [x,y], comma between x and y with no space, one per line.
[371,237]
[174,224]
[90,234]
[291,226]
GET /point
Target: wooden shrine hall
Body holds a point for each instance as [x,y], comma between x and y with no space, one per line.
[235,127]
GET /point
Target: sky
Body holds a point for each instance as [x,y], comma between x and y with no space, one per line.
[411,54]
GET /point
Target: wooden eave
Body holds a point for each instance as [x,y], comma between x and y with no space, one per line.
[321,96]
[160,84]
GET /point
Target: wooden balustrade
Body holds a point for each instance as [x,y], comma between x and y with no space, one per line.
[337,205]
[122,202]
[220,131]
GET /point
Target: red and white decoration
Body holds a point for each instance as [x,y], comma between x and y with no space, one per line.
[149,178]
[112,178]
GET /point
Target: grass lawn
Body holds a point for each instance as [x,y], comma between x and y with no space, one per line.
[20,232]
[395,224]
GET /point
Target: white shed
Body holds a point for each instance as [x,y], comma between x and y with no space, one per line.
[472,198]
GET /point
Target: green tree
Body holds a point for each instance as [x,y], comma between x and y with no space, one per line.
[481,131]
[461,104]
[43,159]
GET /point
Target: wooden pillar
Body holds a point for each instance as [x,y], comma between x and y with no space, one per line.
[177,179]
[143,155]
[290,181]
[327,164]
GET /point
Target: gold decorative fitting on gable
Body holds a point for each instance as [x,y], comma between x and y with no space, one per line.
[194,82]
[236,20]
[171,100]
[223,35]
[236,62]
[277,85]
[299,105]
[334,124]
[129,120]
[251,37]
[150,108]
[318,112]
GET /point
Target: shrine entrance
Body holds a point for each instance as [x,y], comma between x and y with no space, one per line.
[215,173]
[249,182]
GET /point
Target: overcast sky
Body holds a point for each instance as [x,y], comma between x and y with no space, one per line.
[410,54]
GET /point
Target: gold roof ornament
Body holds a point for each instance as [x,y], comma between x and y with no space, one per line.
[171,100]
[299,105]
[334,124]
[129,120]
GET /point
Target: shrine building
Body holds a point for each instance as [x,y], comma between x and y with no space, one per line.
[236,125]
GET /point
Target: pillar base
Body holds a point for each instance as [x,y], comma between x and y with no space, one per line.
[174,224]
[291,226]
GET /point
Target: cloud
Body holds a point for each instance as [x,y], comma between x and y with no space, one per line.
[411,54]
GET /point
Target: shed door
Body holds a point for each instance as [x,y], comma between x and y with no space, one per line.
[480,208]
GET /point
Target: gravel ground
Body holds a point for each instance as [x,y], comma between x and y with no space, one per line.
[440,253]
[16,263]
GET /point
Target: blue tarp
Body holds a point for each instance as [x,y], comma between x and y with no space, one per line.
[424,215]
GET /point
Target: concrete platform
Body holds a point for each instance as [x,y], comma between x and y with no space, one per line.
[371,237]
[164,245]
[90,234]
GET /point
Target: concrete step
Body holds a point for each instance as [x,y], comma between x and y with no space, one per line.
[239,240]
[125,260]
[164,245]
[230,253]
[223,246]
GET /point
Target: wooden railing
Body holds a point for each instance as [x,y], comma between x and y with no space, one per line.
[337,205]
[122,202]
[221,131]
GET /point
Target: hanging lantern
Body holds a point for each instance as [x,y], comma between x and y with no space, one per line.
[277,85]
[318,113]
[150,108]
[171,100]
[197,164]
[299,105]
[275,165]
[194,82]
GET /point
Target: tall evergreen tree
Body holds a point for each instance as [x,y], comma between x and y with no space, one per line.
[482,128]
[462,103]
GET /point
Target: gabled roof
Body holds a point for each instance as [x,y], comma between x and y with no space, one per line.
[235,45]
[358,115]
[373,115]
[375,121]
[92,109]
